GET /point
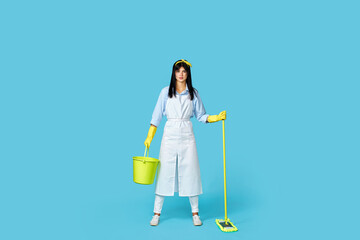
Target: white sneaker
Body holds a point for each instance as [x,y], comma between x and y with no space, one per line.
[155,220]
[196,220]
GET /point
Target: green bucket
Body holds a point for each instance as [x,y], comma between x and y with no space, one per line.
[145,168]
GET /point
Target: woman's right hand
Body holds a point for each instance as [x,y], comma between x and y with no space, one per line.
[150,136]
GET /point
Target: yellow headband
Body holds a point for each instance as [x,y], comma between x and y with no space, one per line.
[182,60]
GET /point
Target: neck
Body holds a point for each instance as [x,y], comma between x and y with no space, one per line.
[180,86]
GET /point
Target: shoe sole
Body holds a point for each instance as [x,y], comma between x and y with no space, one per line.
[154,224]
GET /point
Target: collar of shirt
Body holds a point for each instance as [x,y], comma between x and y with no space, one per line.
[183,92]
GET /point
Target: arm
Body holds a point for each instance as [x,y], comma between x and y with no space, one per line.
[199,109]
[200,112]
[156,119]
[159,109]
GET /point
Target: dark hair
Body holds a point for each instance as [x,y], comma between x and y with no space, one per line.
[172,87]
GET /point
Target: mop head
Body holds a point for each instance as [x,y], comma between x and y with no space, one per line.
[226,226]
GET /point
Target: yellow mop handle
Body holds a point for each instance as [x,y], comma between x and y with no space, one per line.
[223,127]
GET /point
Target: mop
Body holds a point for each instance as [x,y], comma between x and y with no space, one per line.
[224,224]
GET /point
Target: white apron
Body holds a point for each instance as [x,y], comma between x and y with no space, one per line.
[179,169]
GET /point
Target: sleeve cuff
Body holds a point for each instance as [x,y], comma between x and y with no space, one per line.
[203,118]
[154,122]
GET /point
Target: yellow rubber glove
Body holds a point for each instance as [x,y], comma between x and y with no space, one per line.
[215,118]
[150,136]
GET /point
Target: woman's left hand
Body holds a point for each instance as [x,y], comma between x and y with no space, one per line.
[215,118]
[222,115]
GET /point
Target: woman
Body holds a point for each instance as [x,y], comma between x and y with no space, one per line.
[179,165]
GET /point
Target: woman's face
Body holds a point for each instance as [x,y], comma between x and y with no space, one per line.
[181,75]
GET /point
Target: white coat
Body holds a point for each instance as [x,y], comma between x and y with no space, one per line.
[179,169]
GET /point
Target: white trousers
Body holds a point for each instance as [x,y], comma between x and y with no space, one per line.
[159,201]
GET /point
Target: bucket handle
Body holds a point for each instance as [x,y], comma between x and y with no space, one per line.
[145,153]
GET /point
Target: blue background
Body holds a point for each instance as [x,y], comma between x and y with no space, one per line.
[79,82]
